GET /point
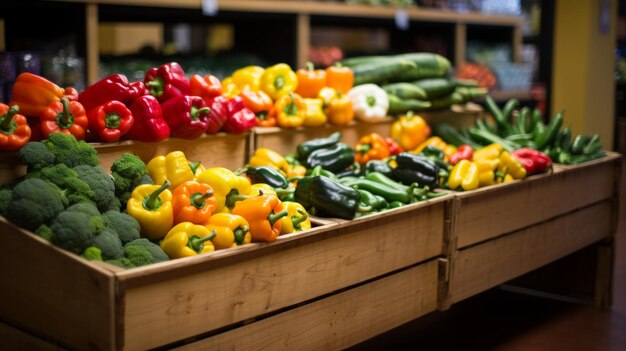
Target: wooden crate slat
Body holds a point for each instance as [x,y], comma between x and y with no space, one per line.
[486,265]
[338,321]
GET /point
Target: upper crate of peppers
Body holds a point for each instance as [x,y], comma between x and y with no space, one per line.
[414,81]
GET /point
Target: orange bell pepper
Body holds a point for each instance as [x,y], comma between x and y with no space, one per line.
[193,202]
[310,81]
[340,78]
[260,212]
[290,110]
[14,129]
[410,131]
[340,111]
[64,116]
[261,104]
[371,147]
[33,94]
[206,87]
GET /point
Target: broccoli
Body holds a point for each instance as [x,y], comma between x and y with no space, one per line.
[75,231]
[102,185]
[74,189]
[45,232]
[92,253]
[5,198]
[33,203]
[126,227]
[69,151]
[138,255]
[36,155]
[85,207]
[155,251]
[128,171]
[121,262]
[109,243]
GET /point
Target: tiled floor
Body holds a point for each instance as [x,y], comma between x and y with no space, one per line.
[506,321]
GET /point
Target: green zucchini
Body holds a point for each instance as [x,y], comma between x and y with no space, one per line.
[428,65]
[378,72]
[359,60]
[451,135]
[436,87]
[405,90]
[446,101]
[551,131]
[399,106]
[578,144]
[471,93]
[465,83]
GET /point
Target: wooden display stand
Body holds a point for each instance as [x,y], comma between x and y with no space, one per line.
[329,287]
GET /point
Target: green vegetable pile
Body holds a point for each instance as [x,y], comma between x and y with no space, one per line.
[67,199]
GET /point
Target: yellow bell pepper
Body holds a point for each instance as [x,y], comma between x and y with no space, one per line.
[296,171]
[229,88]
[433,141]
[267,157]
[227,186]
[188,239]
[279,80]
[297,218]
[465,175]
[314,113]
[487,171]
[339,110]
[410,131]
[232,230]
[266,189]
[491,151]
[151,206]
[290,110]
[249,76]
[173,167]
[510,165]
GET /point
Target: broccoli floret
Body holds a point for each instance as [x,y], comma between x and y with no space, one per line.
[36,155]
[128,171]
[45,232]
[155,250]
[85,207]
[101,184]
[92,253]
[121,262]
[74,189]
[5,198]
[126,227]
[138,255]
[69,151]
[33,203]
[109,243]
[75,231]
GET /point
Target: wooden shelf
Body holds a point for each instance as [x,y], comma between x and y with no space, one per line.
[503,95]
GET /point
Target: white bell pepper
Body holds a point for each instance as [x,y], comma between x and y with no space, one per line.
[369,102]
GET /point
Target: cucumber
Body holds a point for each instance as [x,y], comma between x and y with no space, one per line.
[378,72]
[399,106]
[429,65]
[471,93]
[359,60]
[465,83]
[446,101]
[405,90]
[451,135]
[436,87]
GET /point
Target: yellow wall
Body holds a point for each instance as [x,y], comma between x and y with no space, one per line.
[128,38]
[583,67]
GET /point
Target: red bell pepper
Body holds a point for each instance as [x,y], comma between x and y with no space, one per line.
[186,115]
[167,81]
[149,125]
[394,147]
[113,87]
[110,121]
[534,161]
[64,116]
[218,114]
[240,118]
[14,130]
[35,128]
[206,87]
[463,152]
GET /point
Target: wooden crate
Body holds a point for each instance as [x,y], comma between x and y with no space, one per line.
[87,305]
[486,265]
[492,211]
[224,150]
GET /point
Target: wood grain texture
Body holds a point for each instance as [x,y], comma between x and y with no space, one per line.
[486,265]
[15,339]
[492,211]
[340,320]
[51,292]
[202,300]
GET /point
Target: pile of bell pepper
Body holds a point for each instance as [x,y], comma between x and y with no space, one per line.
[280,96]
[192,210]
[165,104]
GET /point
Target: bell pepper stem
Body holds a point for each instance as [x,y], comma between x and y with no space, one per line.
[196,243]
[298,220]
[279,82]
[273,217]
[363,148]
[7,120]
[153,201]
[411,192]
[198,200]
[240,170]
[233,197]
[155,86]
[291,109]
[371,101]
[310,66]
[240,234]
[284,191]
[112,120]
[196,112]
[64,118]
[194,166]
